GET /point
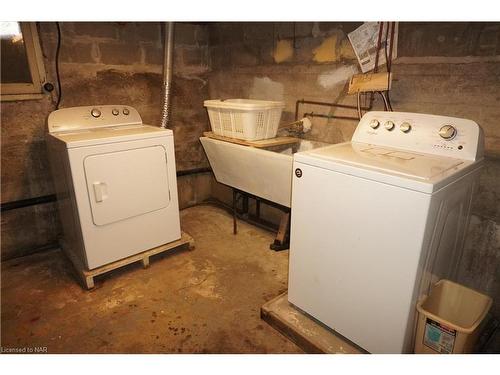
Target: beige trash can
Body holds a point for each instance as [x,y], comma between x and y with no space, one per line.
[449,319]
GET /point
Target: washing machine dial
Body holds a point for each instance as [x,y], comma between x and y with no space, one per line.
[115,112]
[125,111]
[374,124]
[405,127]
[448,132]
[95,112]
[389,125]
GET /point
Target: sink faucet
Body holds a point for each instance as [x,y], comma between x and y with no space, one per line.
[298,128]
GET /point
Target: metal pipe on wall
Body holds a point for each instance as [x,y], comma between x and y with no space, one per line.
[188,172]
[167,72]
[14,205]
[331,105]
[312,114]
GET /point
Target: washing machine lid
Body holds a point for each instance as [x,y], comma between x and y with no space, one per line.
[416,171]
[111,134]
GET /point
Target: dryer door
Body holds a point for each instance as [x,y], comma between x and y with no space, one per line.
[126,183]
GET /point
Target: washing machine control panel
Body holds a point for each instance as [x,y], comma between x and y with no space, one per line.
[95,112]
[448,132]
[441,135]
[92,117]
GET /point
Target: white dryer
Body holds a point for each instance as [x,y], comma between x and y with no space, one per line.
[115,180]
[376,221]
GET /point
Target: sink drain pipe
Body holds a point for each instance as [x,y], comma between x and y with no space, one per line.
[167,72]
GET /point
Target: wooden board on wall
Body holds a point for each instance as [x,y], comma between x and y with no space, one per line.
[370,82]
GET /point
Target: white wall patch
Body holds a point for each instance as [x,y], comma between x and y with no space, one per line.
[337,76]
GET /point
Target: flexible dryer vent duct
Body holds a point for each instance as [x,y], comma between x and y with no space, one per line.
[167,73]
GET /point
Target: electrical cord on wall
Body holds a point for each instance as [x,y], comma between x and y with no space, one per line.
[58,48]
[388,58]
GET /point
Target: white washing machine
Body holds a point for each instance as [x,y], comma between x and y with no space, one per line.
[115,180]
[376,221]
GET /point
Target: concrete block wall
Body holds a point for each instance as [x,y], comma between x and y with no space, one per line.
[442,68]
[102,63]
[451,69]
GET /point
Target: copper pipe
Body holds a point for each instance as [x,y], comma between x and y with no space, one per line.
[312,114]
[331,105]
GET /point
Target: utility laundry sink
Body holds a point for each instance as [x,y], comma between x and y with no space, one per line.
[266,173]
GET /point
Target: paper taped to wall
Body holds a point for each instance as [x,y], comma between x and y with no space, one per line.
[364,42]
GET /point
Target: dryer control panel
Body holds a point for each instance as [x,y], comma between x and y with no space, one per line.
[92,117]
[441,135]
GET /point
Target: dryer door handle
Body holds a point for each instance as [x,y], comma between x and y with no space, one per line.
[100,191]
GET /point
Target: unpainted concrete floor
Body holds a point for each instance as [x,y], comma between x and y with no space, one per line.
[202,301]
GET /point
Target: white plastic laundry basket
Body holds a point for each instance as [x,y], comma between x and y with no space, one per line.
[244,118]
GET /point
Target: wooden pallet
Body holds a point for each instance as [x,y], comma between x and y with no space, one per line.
[306,332]
[263,143]
[87,276]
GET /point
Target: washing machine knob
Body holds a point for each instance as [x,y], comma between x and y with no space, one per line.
[374,124]
[389,125]
[125,111]
[115,112]
[95,112]
[447,132]
[405,127]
